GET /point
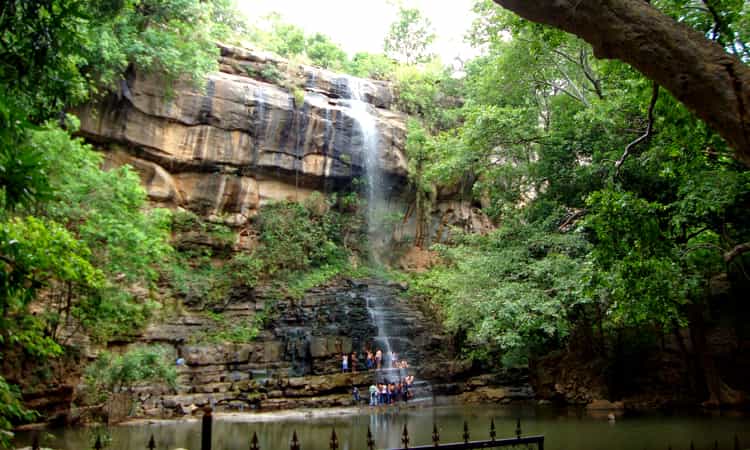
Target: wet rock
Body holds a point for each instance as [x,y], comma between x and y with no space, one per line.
[186,410]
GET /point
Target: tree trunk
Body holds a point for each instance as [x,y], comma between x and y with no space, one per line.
[712,83]
[719,393]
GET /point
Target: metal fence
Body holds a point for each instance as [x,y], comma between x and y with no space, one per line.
[369,443]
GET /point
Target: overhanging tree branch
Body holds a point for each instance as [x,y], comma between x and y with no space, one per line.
[712,83]
[736,251]
[645,135]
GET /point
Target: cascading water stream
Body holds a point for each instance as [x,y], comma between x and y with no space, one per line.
[360,111]
[389,322]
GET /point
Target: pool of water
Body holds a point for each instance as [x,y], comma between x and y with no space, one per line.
[568,429]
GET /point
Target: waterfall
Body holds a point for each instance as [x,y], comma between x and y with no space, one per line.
[389,319]
[378,310]
[359,109]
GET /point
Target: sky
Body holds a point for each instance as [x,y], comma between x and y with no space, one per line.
[361,25]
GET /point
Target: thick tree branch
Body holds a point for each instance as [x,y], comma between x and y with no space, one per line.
[645,135]
[736,251]
[700,73]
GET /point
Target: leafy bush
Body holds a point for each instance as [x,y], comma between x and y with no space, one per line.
[112,373]
[372,65]
[509,292]
[293,238]
[11,410]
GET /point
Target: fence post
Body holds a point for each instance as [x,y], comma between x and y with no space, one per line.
[151,443]
[334,444]
[405,437]
[370,441]
[466,432]
[254,442]
[493,434]
[518,428]
[35,442]
[435,435]
[295,441]
[206,428]
[98,443]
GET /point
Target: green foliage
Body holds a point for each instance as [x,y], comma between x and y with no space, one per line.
[299,97]
[38,255]
[430,93]
[511,291]
[268,72]
[409,37]
[127,242]
[281,38]
[371,65]
[240,332]
[299,246]
[11,411]
[23,169]
[731,30]
[325,53]
[295,238]
[290,41]
[75,240]
[297,284]
[56,54]
[112,373]
[536,137]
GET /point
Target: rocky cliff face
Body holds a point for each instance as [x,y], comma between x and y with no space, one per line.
[226,149]
[296,360]
[264,130]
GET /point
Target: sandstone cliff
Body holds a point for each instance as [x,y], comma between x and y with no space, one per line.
[226,149]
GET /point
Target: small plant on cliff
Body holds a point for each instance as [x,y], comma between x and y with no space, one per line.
[112,373]
[294,238]
[299,97]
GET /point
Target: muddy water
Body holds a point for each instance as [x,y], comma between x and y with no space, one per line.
[567,429]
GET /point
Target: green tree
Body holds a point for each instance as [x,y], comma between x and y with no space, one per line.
[325,53]
[371,65]
[409,37]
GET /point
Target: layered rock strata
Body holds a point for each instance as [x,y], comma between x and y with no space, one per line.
[240,141]
[296,360]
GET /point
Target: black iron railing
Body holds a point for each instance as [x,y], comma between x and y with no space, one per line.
[333,444]
[493,442]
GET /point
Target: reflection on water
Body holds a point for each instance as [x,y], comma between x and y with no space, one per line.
[563,429]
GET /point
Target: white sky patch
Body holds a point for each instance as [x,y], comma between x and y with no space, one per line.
[361,25]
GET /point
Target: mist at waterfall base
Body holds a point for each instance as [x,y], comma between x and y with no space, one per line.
[564,429]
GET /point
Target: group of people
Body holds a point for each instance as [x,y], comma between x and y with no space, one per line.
[373,361]
[387,393]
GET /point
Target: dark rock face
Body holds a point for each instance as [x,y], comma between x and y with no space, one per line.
[296,361]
